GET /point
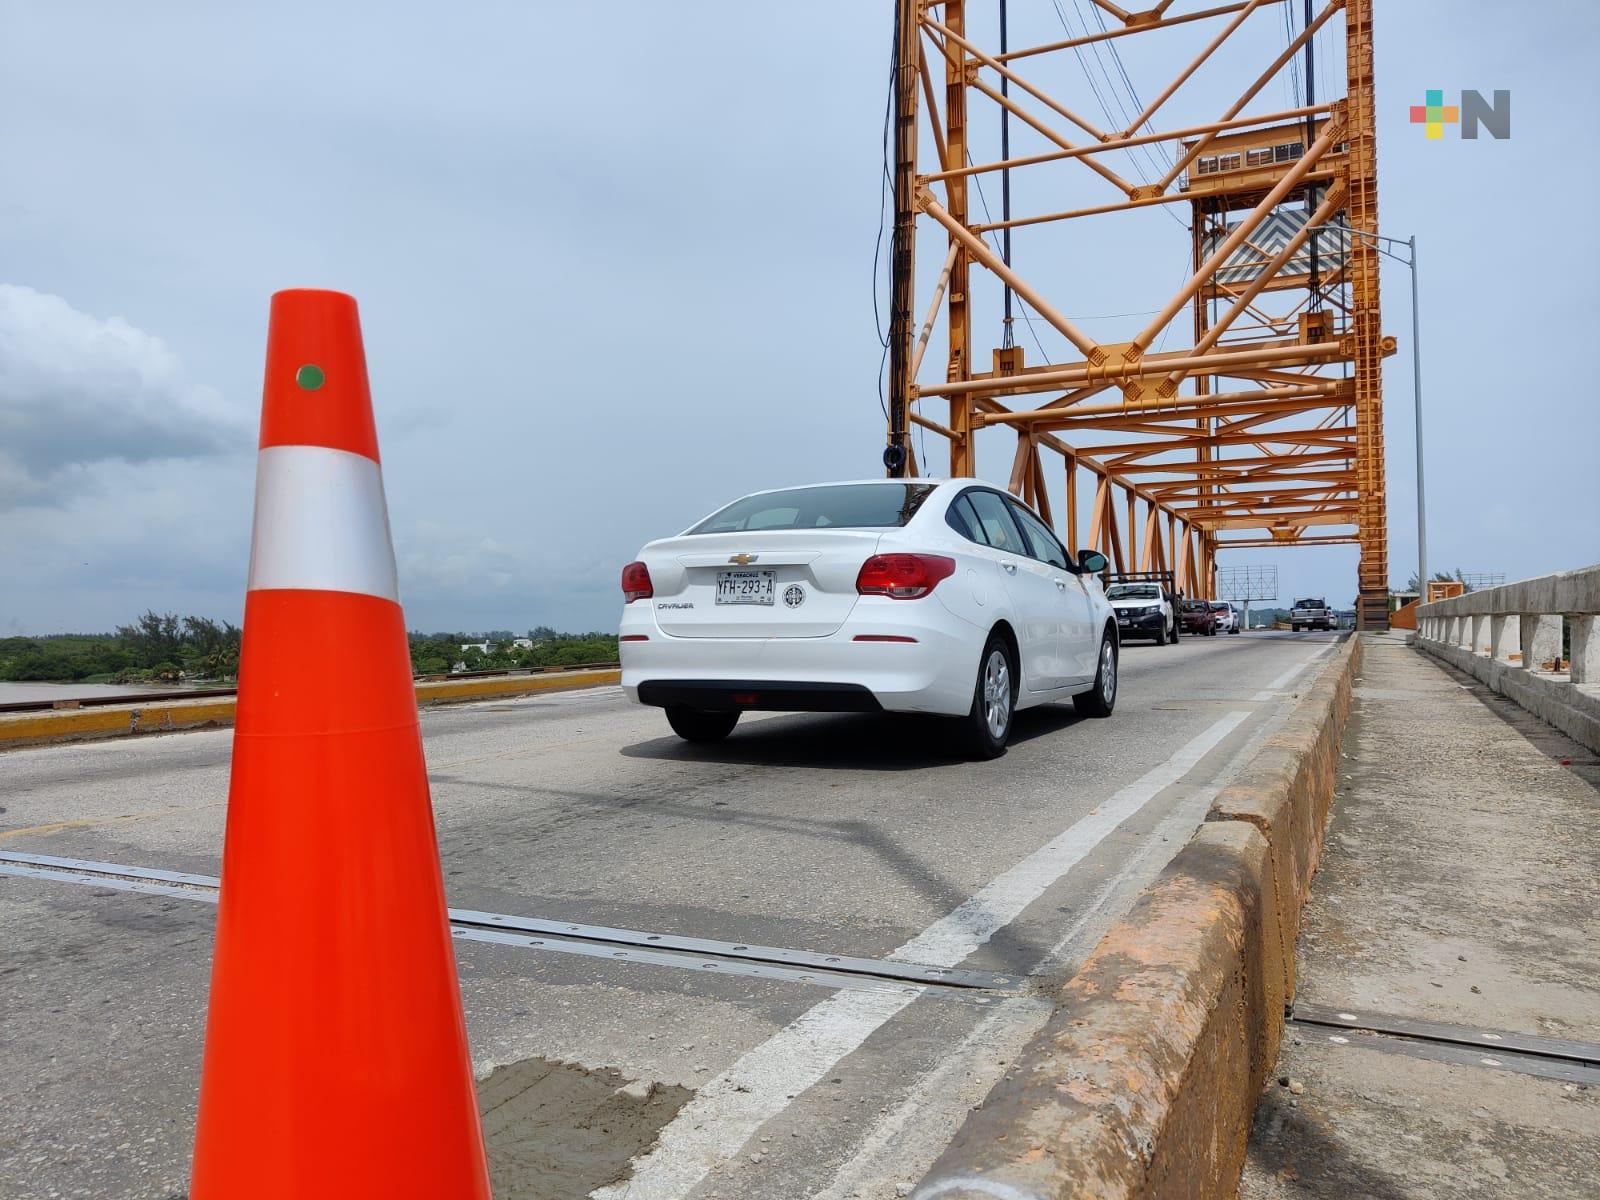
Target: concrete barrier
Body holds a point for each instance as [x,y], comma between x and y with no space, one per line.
[167,716]
[1144,1081]
[1511,638]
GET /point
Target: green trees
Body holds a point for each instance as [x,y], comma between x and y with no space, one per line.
[437,653]
[68,657]
[164,648]
[160,647]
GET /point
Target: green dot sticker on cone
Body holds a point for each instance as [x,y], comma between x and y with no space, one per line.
[310,377]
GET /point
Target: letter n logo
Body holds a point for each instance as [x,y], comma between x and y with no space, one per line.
[1476,111]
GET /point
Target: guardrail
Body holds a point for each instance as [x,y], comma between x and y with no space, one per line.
[1536,642]
[125,698]
[71,702]
[121,716]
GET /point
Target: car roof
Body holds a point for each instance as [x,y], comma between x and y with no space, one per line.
[934,480]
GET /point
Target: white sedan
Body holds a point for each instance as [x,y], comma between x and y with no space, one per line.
[1227,619]
[923,595]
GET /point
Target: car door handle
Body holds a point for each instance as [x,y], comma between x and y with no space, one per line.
[1010,568]
[1061,584]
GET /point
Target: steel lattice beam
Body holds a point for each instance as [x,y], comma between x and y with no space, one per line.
[1271,422]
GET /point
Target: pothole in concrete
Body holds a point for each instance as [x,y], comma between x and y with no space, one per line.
[557,1131]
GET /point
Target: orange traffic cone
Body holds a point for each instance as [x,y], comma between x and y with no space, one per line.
[336,1055]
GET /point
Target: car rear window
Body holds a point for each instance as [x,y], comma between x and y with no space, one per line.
[826,506]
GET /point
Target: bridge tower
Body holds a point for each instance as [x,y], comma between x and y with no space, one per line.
[1267,429]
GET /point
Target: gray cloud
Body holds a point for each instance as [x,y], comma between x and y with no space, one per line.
[608,284]
[78,390]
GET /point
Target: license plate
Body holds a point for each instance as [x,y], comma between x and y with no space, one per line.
[1121,620]
[745,587]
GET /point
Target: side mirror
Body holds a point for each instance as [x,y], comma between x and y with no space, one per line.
[1092,561]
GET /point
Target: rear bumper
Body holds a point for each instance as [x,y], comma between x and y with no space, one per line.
[749,695]
[837,673]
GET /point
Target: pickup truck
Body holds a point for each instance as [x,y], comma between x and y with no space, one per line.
[1144,609]
[1310,614]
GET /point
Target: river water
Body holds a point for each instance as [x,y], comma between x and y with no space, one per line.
[13,693]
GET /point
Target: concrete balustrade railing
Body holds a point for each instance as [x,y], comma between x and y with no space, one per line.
[1512,637]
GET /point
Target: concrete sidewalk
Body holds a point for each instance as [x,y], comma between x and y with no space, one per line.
[1459,886]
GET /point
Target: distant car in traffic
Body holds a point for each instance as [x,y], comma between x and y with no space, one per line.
[1227,619]
[1311,614]
[928,596]
[1144,610]
[1196,617]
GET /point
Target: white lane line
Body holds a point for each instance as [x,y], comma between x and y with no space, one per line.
[551,696]
[905,1142]
[714,1126]
[1288,677]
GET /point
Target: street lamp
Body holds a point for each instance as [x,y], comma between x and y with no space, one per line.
[1410,261]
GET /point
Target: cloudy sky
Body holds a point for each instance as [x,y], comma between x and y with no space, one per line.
[615,267]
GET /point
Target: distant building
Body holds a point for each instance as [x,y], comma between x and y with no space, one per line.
[522,643]
[481,647]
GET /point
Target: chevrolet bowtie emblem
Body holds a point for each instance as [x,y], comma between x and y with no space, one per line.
[744,560]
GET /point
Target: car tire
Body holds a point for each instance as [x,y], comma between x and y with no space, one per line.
[698,725]
[1099,700]
[994,700]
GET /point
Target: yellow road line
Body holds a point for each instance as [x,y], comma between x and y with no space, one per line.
[85,822]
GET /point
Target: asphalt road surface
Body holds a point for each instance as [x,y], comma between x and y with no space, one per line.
[778,1076]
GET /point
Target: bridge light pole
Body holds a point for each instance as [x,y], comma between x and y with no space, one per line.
[1410,262]
[1416,387]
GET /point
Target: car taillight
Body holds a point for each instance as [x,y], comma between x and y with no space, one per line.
[636,583]
[903,576]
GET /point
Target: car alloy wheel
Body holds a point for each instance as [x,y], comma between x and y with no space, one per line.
[1108,673]
[997,694]
[1101,698]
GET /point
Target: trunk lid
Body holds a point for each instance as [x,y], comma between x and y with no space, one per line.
[812,581]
